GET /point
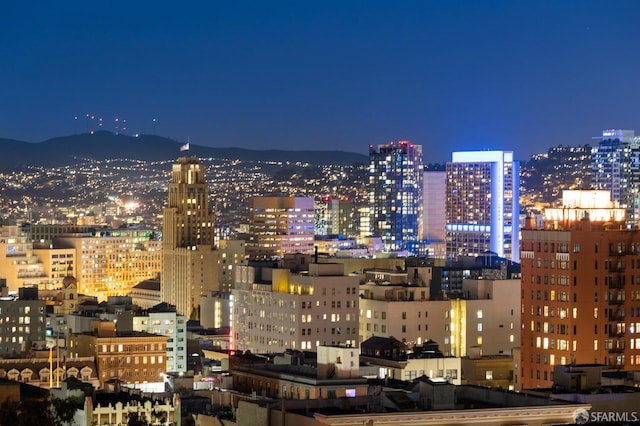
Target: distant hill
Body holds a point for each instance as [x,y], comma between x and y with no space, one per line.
[106,145]
[545,176]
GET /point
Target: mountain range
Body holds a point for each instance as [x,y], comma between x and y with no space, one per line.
[101,145]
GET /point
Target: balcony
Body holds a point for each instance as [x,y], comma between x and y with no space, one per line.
[618,284]
[615,317]
[616,333]
[616,302]
[618,267]
[616,350]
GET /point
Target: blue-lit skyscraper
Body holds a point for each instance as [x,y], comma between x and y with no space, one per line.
[395,193]
[482,204]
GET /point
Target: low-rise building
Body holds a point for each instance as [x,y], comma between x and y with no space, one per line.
[393,361]
[131,357]
[335,376]
[146,293]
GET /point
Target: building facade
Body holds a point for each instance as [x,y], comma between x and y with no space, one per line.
[615,164]
[232,253]
[335,216]
[395,193]
[111,262]
[580,300]
[482,204]
[19,265]
[163,320]
[132,357]
[281,225]
[275,310]
[22,324]
[487,319]
[189,258]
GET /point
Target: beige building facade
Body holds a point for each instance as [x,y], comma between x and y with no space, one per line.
[189,258]
[275,310]
[488,318]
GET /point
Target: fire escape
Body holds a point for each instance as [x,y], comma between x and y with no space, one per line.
[616,301]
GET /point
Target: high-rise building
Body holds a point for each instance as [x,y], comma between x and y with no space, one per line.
[482,204]
[579,303]
[189,258]
[615,166]
[335,216]
[433,216]
[231,253]
[434,198]
[281,225]
[395,193]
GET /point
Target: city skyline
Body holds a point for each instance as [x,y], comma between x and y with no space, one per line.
[449,76]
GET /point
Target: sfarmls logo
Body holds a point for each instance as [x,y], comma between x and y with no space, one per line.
[582,416]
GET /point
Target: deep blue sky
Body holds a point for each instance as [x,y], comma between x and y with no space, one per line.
[450,75]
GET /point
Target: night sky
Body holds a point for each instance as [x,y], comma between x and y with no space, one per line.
[449,75]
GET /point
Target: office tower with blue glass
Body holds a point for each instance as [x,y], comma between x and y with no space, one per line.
[482,204]
[395,194]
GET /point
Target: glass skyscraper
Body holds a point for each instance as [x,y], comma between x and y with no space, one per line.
[482,204]
[615,166]
[395,193]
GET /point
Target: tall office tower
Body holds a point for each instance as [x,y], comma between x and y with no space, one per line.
[482,205]
[189,258]
[433,216]
[335,216]
[395,193]
[615,166]
[281,225]
[346,218]
[231,254]
[579,305]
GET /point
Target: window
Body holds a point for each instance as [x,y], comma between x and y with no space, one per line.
[488,375]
